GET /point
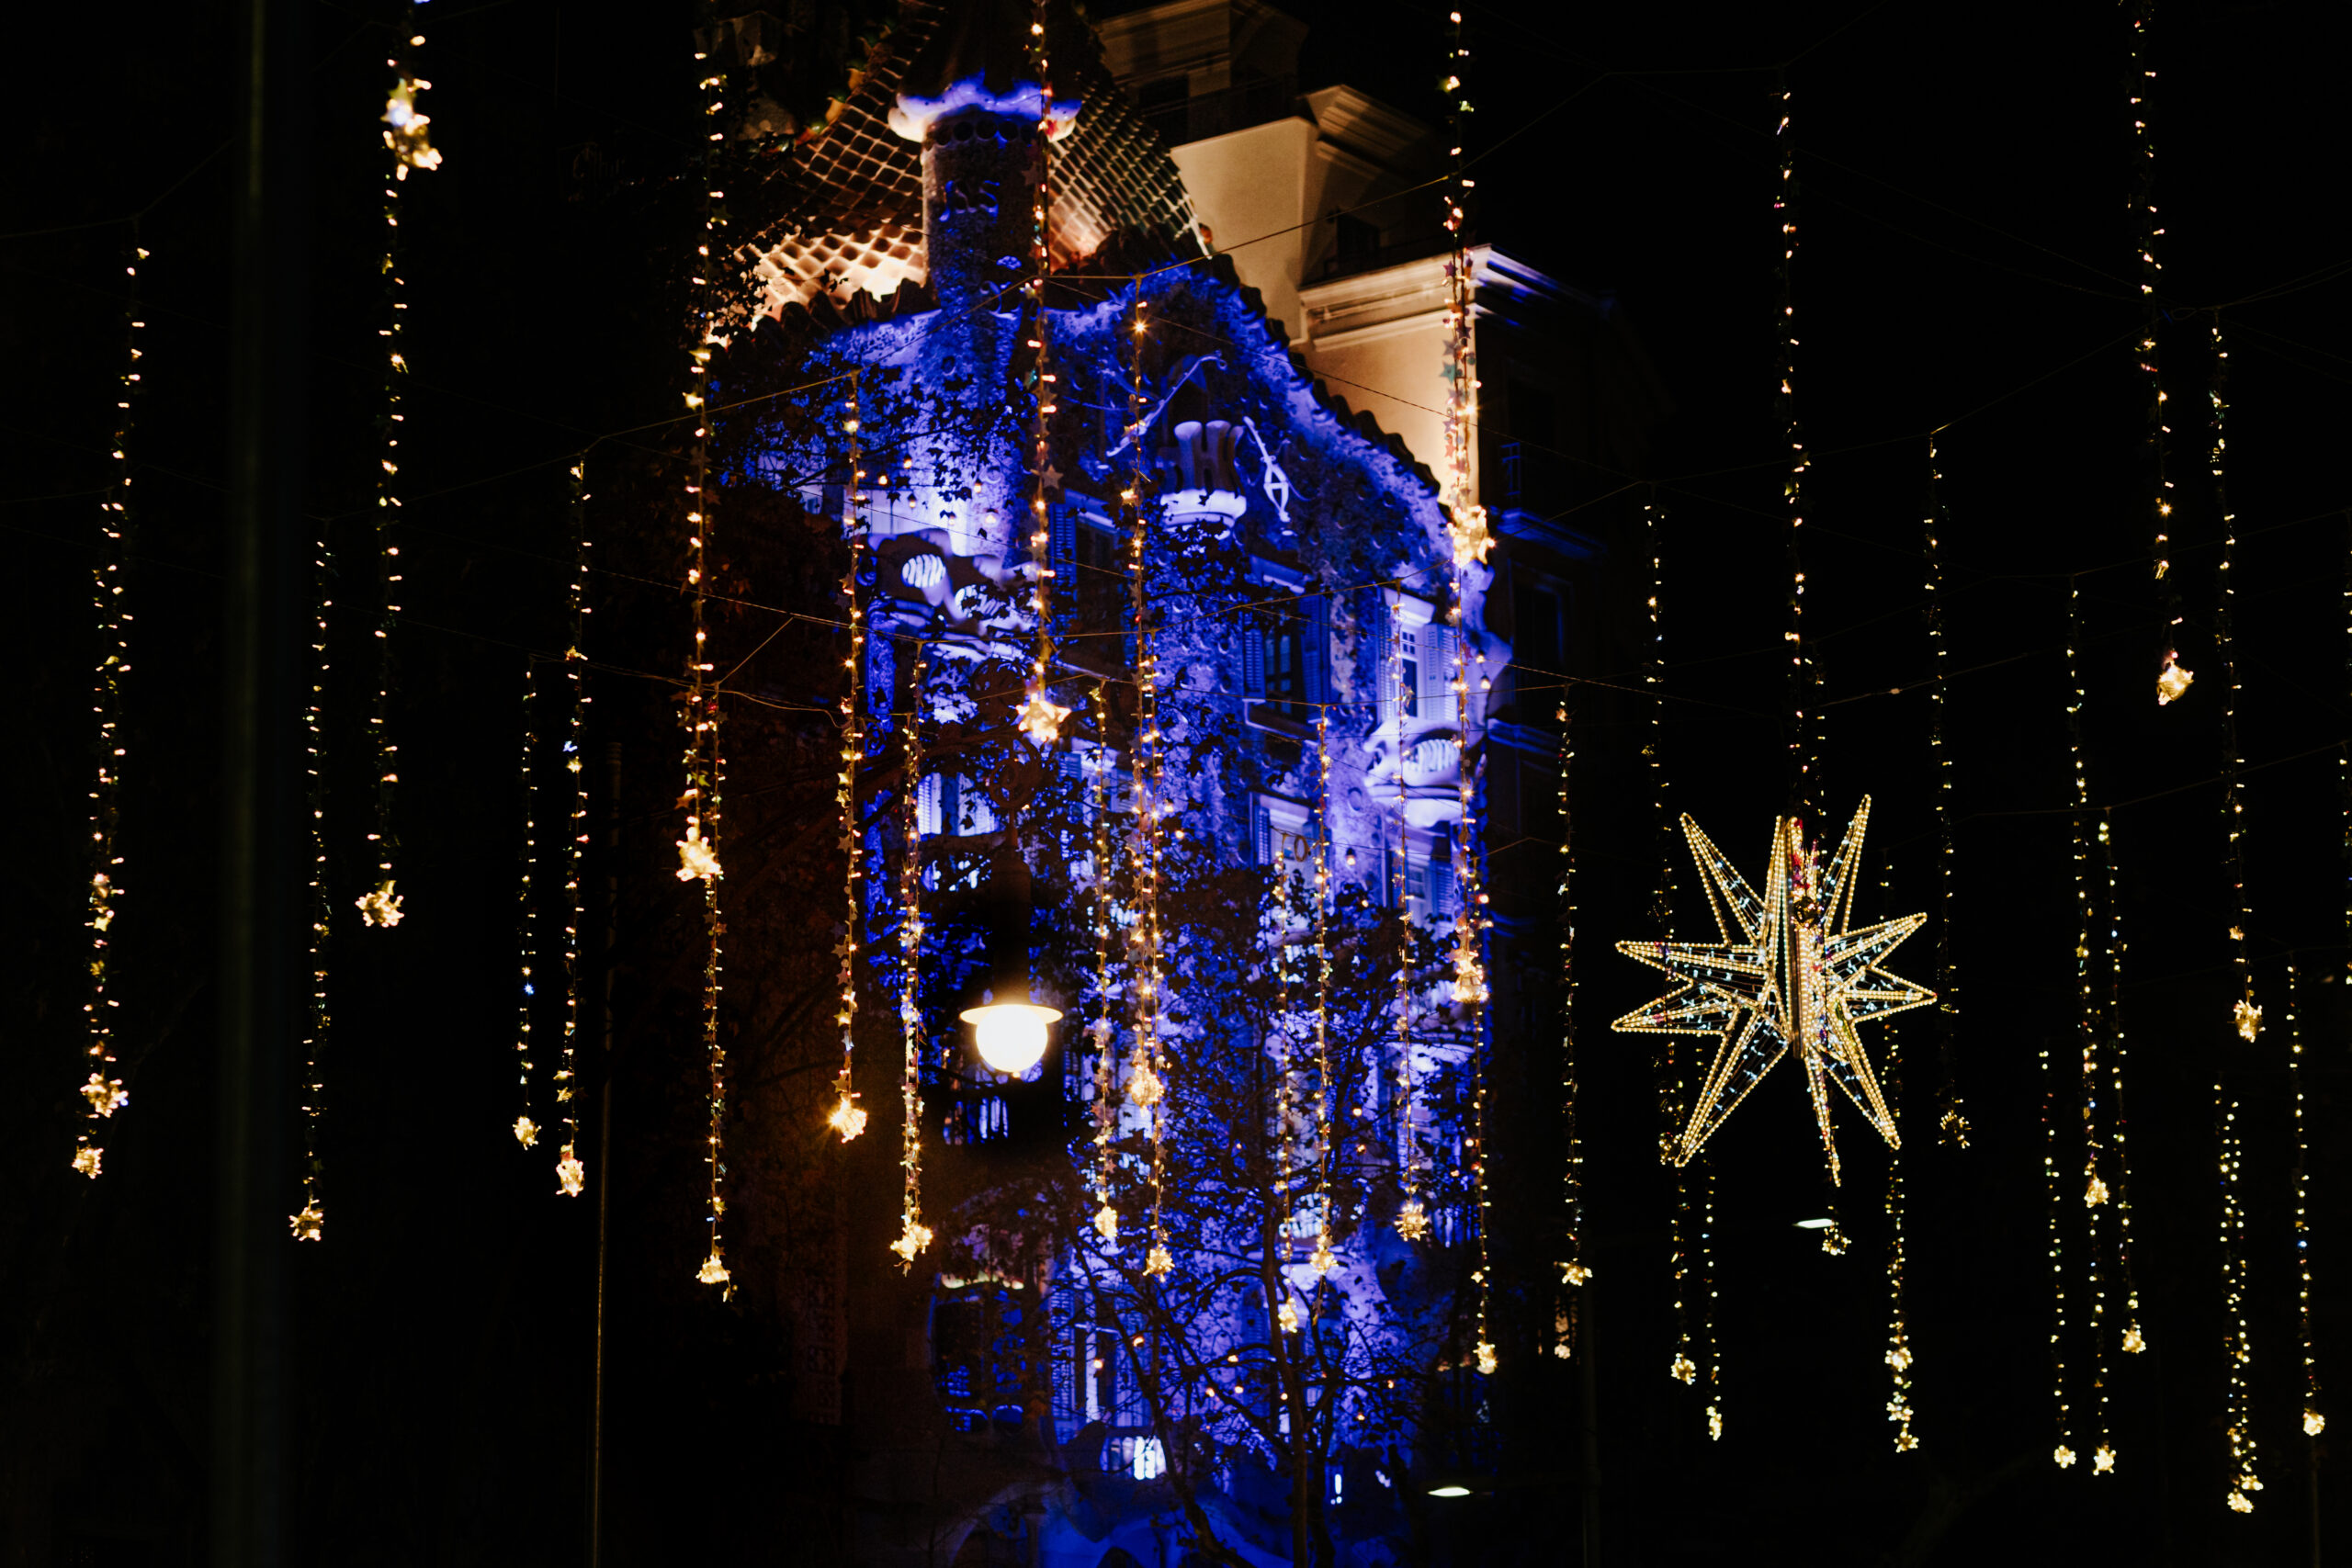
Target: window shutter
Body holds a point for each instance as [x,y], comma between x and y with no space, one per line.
[1315,643]
[1065,524]
[1253,663]
[1437,672]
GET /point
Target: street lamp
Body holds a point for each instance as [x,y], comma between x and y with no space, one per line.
[1010,1035]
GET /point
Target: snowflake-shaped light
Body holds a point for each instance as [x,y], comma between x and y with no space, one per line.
[696,857]
[911,1240]
[2102,1461]
[713,1271]
[86,1158]
[1683,1370]
[1143,1085]
[1286,1316]
[1905,1441]
[1041,718]
[407,137]
[571,1173]
[848,1119]
[1575,1273]
[310,1225]
[380,906]
[1471,537]
[2132,1342]
[1158,1262]
[104,1095]
[2172,680]
[2095,1193]
[1106,1224]
[1486,1360]
[1324,1259]
[2240,1502]
[2064,1455]
[2247,1017]
[1412,1220]
[527,1131]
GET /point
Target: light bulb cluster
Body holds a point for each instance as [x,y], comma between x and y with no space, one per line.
[848,1118]
[1951,1122]
[102,1092]
[1574,1270]
[704,763]
[409,146]
[1804,679]
[1147,1071]
[914,1234]
[2237,1341]
[570,1172]
[1041,717]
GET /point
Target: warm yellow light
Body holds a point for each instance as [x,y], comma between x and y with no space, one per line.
[1449,1491]
[1010,1036]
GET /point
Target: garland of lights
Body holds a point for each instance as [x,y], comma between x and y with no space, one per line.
[914,1234]
[2087,1030]
[2172,679]
[1573,1270]
[1412,1219]
[1898,1330]
[1105,1029]
[1146,1076]
[848,1118]
[1804,680]
[2314,1422]
[570,1172]
[1707,1304]
[1041,717]
[104,1092]
[1953,1118]
[309,1223]
[2118,1056]
[1325,1094]
[2237,1342]
[406,138]
[1283,1101]
[2063,1453]
[527,1131]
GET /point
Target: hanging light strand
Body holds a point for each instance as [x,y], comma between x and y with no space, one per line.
[571,1173]
[2063,1453]
[914,1234]
[2314,1420]
[102,1092]
[698,850]
[1147,1075]
[408,142]
[1412,1218]
[848,1118]
[1952,1112]
[2237,1342]
[1898,1326]
[1804,680]
[1664,1067]
[1105,1029]
[527,1131]
[1326,1091]
[2088,1028]
[2171,680]
[309,1223]
[2118,1161]
[1573,1270]
[1707,1303]
[1041,717]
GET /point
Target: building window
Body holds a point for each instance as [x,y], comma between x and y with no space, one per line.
[1538,625]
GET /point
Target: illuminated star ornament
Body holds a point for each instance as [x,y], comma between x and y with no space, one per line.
[1795,976]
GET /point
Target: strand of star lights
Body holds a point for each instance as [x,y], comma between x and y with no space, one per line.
[2314,1422]
[848,1118]
[309,1223]
[1326,1095]
[698,850]
[1105,1029]
[1147,1075]
[1951,1123]
[1899,1357]
[1041,717]
[527,1131]
[1804,680]
[2063,1453]
[572,1174]
[1654,742]
[104,1092]
[914,1234]
[1708,1304]
[1284,1086]
[1573,1269]
[2237,1343]
[408,141]
[2088,1027]
[1412,1218]
[2172,678]
[2117,1120]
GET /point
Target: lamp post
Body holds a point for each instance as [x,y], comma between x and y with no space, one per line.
[1010,1030]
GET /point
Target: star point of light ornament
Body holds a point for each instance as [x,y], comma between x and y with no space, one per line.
[570,1173]
[1412,1221]
[1106,1224]
[86,1160]
[105,1094]
[713,1271]
[2103,1460]
[911,1240]
[848,1119]
[696,857]
[381,907]
[527,1131]
[1788,972]
[1488,1360]
[1041,718]
[310,1225]
[1158,1262]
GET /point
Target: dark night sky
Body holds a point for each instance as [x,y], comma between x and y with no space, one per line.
[1965,259]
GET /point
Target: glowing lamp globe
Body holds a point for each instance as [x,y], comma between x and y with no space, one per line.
[1011,1035]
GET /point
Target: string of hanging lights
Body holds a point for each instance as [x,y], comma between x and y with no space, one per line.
[2314,1422]
[698,850]
[848,1118]
[1041,717]
[1325,1092]
[309,1223]
[2088,1028]
[1804,679]
[102,1092]
[407,138]
[1105,1029]
[1147,1074]
[2063,1454]
[1286,1104]
[1952,1116]
[1412,1218]
[2237,1341]
[2172,678]
[571,1173]
[527,1131]
[1573,1270]
[1898,1328]
[914,1234]
[2117,1122]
